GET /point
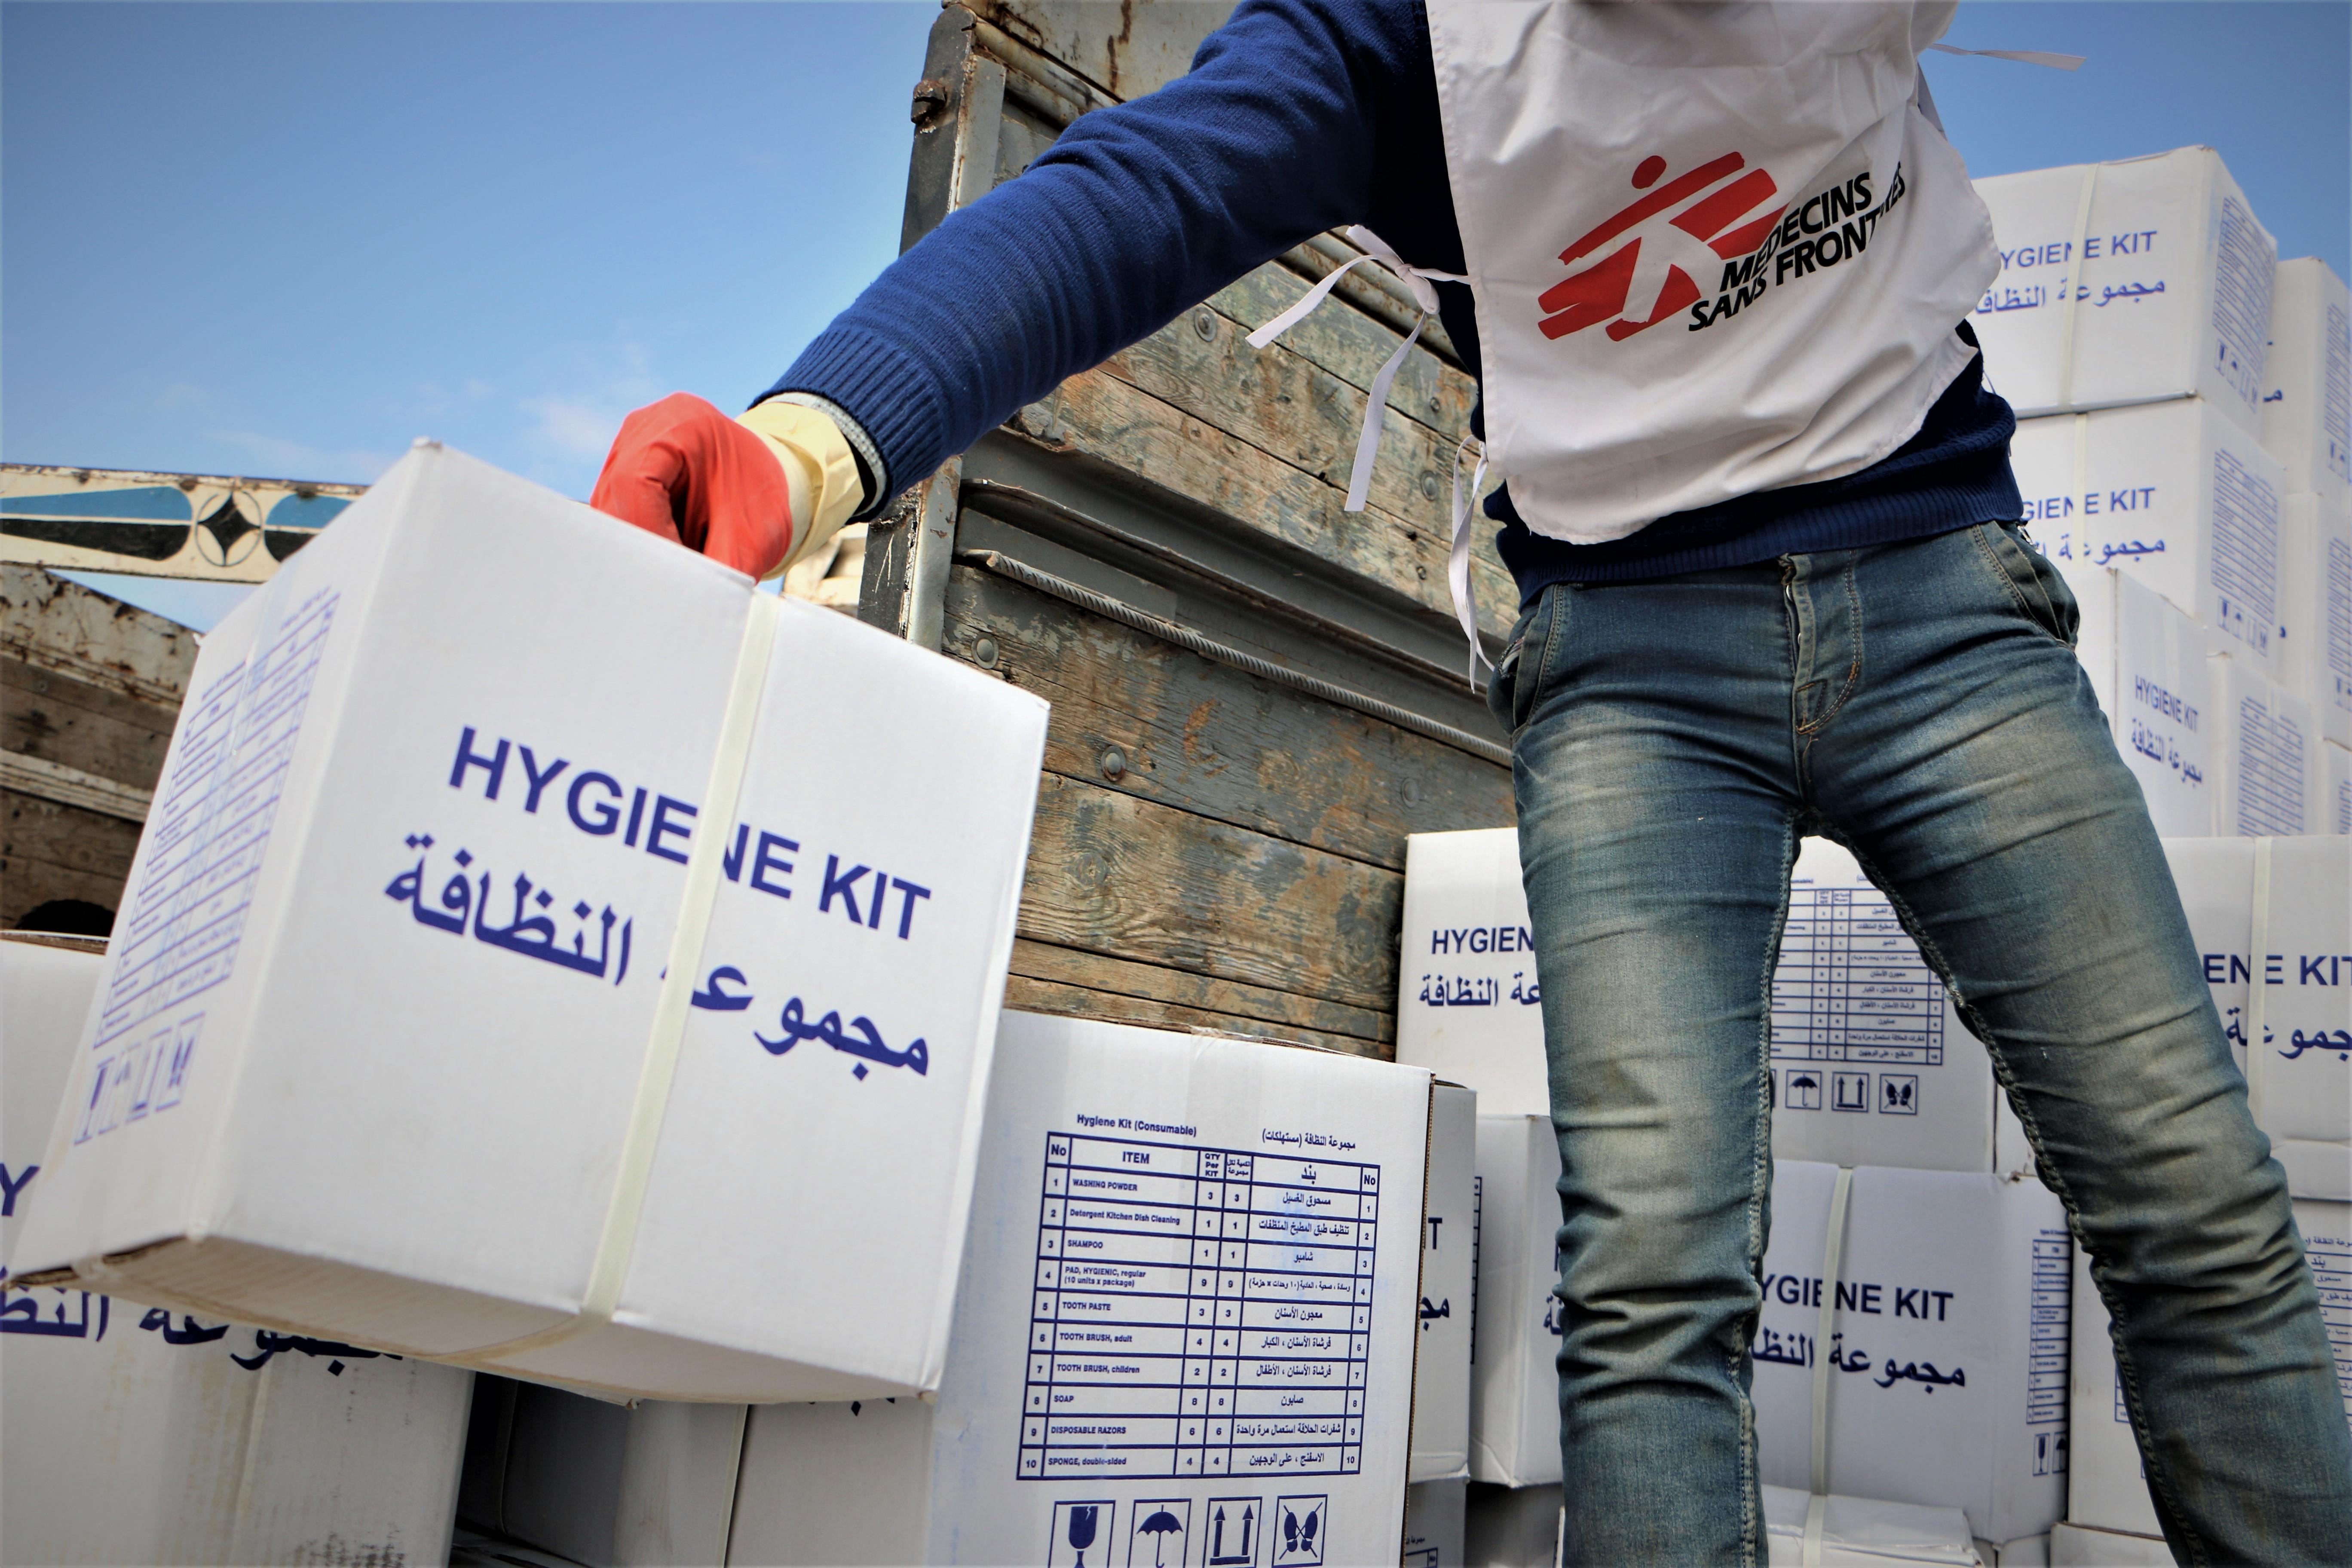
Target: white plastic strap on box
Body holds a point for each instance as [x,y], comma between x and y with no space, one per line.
[2256,1015]
[2074,288]
[2082,481]
[705,856]
[1833,1261]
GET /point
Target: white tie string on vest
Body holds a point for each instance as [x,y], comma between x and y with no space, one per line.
[1419,280]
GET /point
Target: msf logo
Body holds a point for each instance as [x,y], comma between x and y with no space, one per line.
[1722,214]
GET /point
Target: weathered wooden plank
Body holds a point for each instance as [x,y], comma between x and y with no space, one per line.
[63,627]
[52,716]
[1352,346]
[1116,422]
[1182,988]
[51,851]
[1124,48]
[1196,734]
[1112,874]
[1290,407]
[1078,1002]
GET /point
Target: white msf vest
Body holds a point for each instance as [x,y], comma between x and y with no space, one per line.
[1716,248]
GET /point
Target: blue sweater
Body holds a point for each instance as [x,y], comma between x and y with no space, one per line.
[1298,116]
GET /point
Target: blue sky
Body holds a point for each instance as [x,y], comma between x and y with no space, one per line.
[284,240]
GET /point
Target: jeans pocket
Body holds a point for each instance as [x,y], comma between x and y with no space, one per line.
[1519,672]
[2032,583]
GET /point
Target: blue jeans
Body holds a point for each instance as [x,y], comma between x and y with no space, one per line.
[1920,703]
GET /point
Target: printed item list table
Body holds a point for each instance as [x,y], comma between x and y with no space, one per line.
[1198,1312]
[1852,985]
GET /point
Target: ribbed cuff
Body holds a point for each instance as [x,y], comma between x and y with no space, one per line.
[884,389]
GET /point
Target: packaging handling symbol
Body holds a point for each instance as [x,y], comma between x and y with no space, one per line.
[1899,1094]
[1849,1091]
[1167,1523]
[1076,1527]
[1232,1530]
[1302,1536]
[1804,1090]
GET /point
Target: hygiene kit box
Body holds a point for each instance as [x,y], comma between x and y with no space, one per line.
[2314,659]
[1468,1002]
[136,1434]
[2108,1488]
[2146,663]
[1433,1523]
[2307,379]
[439,1019]
[2299,1082]
[2127,282]
[2177,495]
[1944,1371]
[2335,788]
[1858,1532]
[599,1482]
[1184,1335]
[2266,753]
[1449,1240]
[1514,1375]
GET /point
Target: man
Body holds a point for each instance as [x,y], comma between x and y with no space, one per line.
[1714,264]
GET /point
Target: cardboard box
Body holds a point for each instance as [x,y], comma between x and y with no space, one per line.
[2315,643]
[2073,1546]
[2304,1100]
[2170,273]
[2266,753]
[1950,1343]
[2147,662]
[400,920]
[2307,378]
[603,1483]
[1859,1533]
[140,1435]
[1433,1523]
[1871,1064]
[2109,1489]
[2030,1551]
[1514,1365]
[2175,495]
[2335,789]
[1468,995]
[1449,1239]
[1185,1331]
[1511,1527]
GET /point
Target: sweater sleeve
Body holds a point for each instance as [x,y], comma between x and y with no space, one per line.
[1139,211]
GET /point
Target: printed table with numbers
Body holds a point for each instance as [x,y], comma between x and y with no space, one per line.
[1198,1311]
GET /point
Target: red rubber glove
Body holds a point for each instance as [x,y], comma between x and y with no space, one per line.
[681,469]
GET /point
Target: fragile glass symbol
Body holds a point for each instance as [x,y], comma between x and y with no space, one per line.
[1082,1532]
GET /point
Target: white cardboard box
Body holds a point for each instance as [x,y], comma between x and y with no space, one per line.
[1467,997]
[2265,754]
[605,1484]
[2316,609]
[1433,1523]
[1185,1329]
[1859,1533]
[471,681]
[2305,1099]
[2147,662]
[2174,494]
[1511,1527]
[135,1436]
[1870,1063]
[1514,1368]
[2109,1489]
[1949,1342]
[2307,378]
[2335,789]
[1441,1364]
[2073,1546]
[2171,276]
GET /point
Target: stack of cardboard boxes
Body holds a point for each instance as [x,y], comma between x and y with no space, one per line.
[1953,1259]
[2183,400]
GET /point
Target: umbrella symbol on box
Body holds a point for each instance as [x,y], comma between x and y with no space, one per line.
[1161,1523]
